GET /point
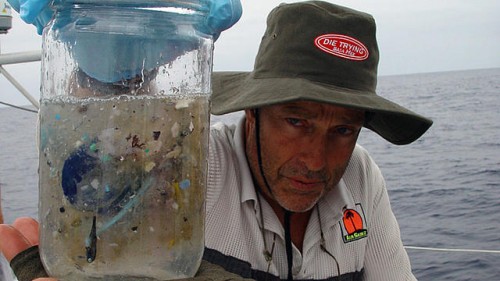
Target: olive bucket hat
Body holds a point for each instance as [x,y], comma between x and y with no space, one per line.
[321,52]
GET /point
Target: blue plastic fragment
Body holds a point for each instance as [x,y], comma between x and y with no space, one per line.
[75,167]
[184,184]
[82,182]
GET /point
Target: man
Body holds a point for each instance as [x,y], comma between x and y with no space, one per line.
[289,190]
[290,194]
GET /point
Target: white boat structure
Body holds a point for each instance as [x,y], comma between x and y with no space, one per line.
[14,58]
[6,59]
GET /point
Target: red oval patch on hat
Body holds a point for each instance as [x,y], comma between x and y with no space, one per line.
[342,46]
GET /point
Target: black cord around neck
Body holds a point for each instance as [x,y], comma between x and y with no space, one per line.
[259,149]
[288,238]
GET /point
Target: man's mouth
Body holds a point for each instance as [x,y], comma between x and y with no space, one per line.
[306,185]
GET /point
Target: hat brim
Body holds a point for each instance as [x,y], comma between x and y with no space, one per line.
[234,91]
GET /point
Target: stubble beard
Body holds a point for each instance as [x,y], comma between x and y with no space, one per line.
[285,197]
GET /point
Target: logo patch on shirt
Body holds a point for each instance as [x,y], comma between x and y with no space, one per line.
[342,46]
[353,224]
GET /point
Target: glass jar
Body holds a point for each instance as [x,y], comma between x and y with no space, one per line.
[124,118]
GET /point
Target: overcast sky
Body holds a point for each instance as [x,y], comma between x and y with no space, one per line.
[414,36]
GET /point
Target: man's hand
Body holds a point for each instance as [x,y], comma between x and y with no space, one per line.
[19,236]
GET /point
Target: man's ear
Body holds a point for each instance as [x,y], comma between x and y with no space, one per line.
[250,114]
[250,117]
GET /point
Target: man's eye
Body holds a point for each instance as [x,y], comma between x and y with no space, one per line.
[295,121]
[345,131]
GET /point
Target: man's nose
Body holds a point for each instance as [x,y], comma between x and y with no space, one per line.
[315,154]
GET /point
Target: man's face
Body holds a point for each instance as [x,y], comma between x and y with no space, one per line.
[305,149]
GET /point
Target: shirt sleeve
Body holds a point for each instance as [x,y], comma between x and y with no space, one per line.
[386,258]
[219,150]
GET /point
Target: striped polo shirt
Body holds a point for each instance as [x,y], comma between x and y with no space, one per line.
[361,234]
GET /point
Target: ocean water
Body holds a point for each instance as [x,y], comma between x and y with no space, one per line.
[444,188]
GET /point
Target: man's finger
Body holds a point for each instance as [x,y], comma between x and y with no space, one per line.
[12,241]
[28,228]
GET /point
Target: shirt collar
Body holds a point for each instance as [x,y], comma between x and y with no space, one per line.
[332,205]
